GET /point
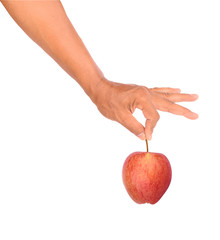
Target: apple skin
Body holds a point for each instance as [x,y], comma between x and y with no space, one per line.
[146,176]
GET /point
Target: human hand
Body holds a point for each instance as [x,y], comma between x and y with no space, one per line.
[118,102]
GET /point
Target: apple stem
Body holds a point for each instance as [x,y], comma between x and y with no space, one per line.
[147,145]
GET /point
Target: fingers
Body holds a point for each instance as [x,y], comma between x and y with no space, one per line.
[152,117]
[168,106]
[130,122]
[178,97]
[149,127]
[166,90]
[143,102]
[151,100]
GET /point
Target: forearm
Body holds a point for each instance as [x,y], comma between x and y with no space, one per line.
[46,23]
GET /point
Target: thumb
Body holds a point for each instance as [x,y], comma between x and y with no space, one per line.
[134,126]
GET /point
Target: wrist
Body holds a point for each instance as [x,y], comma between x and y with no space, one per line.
[98,89]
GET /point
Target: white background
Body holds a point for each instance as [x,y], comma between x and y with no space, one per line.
[61,160]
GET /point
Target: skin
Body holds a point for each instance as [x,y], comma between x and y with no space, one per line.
[47,24]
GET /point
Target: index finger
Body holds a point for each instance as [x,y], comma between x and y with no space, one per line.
[152,117]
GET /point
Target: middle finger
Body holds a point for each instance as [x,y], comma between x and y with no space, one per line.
[178,97]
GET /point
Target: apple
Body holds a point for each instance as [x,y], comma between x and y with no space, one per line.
[146,176]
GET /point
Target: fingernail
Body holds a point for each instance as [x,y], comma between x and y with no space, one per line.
[194,96]
[141,136]
[149,137]
[195,115]
[192,115]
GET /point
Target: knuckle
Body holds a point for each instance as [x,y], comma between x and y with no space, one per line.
[157,116]
[121,118]
[170,106]
[155,89]
[141,90]
[142,93]
[166,95]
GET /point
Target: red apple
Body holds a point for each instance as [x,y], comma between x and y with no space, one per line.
[146,176]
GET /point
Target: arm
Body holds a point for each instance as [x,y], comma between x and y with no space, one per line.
[46,23]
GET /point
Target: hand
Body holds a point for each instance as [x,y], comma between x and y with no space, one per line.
[118,102]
